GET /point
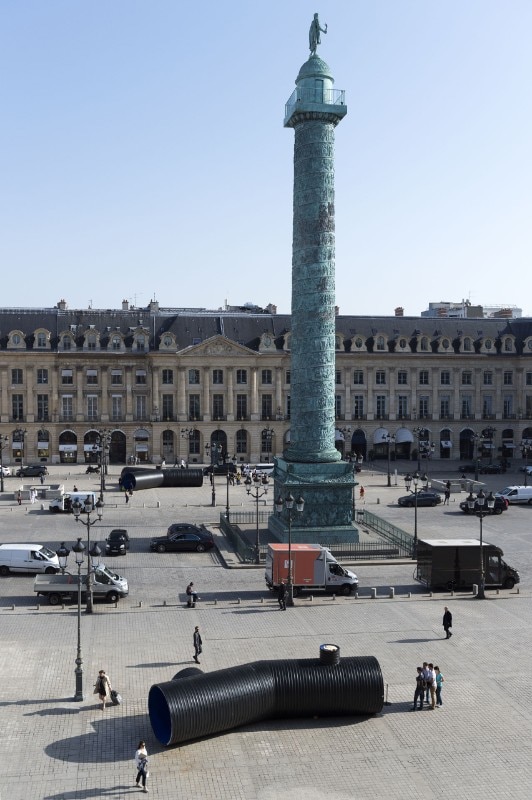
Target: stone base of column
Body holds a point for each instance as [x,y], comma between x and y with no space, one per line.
[327,490]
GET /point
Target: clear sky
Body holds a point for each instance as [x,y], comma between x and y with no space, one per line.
[143,154]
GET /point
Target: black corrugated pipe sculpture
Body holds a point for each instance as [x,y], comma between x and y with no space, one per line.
[151,478]
[194,704]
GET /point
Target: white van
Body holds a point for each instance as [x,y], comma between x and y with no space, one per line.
[64,503]
[517,494]
[263,469]
[27,558]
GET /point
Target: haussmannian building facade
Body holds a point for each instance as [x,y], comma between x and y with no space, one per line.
[166,383]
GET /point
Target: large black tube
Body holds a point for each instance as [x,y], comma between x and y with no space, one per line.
[142,480]
[182,477]
[200,705]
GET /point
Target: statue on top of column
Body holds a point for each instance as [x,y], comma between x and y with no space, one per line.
[314,34]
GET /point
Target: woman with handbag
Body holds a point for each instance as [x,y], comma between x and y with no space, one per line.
[103,688]
[141,762]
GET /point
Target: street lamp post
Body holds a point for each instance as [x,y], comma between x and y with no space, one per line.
[409,480]
[63,554]
[3,442]
[268,434]
[389,440]
[19,436]
[418,431]
[478,504]
[188,433]
[104,444]
[288,503]
[87,508]
[215,450]
[257,494]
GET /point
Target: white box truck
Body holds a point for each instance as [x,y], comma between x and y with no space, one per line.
[64,503]
[313,568]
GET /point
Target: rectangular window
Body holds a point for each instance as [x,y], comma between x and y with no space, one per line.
[402,406]
[67,407]
[266,401]
[116,377]
[338,377]
[380,377]
[358,377]
[358,406]
[42,376]
[218,377]
[529,378]
[487,406]
[488,378]
[381,406]
[194,376]
[17,402]
[508,406]
[338,406]
[402,377]
[217,406]
[507,378]
[42,408]
[168,377]
[67,343]
[467,378]
[92,377]
[287,377]
[140,407]
[168,407]
[445,407]
[445,377]
[193,407]
[140,377]
[241,442]
[528,406]
[266,377]
[241,406]
[423,377]
[241,376]
[116,407]
[92,407]
[466,405]
[67,377]
[423,407]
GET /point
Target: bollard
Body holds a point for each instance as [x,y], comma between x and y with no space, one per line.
[373,593]
[378,501]
[12,608]
[311,598]
[356,595]
[215,602]
[262,599]
[498,591]
[475,589]
[38,606]
[409,595]
[431,594]
[140,603]
[334,597]
[144,505]
[158,503]
[238,601]
[42,506]
[164,602]
[392,592]
[517,590]
[116,605]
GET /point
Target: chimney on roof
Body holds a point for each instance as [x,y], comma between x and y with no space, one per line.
[399,311]
[271,308]
[336,311]
[125,305]
[62,305]
[154,306]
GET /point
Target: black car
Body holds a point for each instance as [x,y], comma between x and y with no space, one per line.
[501,504]
[117,543]
[220,469]
[424,498]
[32,471]
[468,468]
[199,540]
[492,469]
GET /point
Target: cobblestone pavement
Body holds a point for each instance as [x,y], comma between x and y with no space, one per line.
[476,746]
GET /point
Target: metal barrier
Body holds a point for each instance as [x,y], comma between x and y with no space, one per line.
[390,533]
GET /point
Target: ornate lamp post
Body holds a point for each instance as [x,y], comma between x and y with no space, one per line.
[19,436]
[409,480]
[288,503]
[188,433]
[475,439]
[257,494]
[215,450]
[418,431]
[489,433]
[87,509]
[103,444]
[268,434]
[389,440]
[3,442]
[478,504]
[63,554]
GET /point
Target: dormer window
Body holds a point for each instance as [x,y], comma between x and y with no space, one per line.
[488,344]
[116,343]
[424,344]
[381,345]
[467,345]
[41,339]
[358,342]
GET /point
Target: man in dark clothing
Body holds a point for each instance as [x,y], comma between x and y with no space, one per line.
[420,689]
[281,596]
[447,623]
[196,639]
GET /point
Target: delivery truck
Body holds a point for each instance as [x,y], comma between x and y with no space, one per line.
[66,501]
[27,558]
[455,564]
[106,585]
[313,569]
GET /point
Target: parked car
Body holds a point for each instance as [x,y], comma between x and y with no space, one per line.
[425,497]
[527,469]
[117,543]
[32,471]
[501,504]
[6,472]
[186,527]
[468,468]
[220,469]
[198,540]
[492,469]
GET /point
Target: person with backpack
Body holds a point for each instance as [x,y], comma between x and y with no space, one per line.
[141,763]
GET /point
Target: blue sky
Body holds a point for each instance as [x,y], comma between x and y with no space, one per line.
[142,151]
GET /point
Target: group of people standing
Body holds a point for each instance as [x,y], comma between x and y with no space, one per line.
[429,683]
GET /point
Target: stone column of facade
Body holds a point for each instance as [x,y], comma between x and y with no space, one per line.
[4,400]
[207,409]
[30,394]
[279,372]
[348,377]
[229,377]
[311,465]
[128,378]
[181,397]
[255,415]
[156,407]
[104,411]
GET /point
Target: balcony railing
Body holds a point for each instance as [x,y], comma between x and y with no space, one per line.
[313,96]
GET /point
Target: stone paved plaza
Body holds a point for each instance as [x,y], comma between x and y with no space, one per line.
[477,746]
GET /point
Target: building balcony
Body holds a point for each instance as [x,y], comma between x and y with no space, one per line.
[505,415]
[167,418]
[219,417]
[67,417]
[117,417]
[488,416]
[467,416]
[357,415]
[195,417]
[382,416]
[243,417]
[405,416]
[92,417]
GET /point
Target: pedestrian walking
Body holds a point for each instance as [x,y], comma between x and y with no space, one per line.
[447,493]
[420,690]
[197,641]
[42,479]
[127,498]
[102,687]
[447,623]
[19,497]
[439,682]
[361,493]
[281,596]
[141,763]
